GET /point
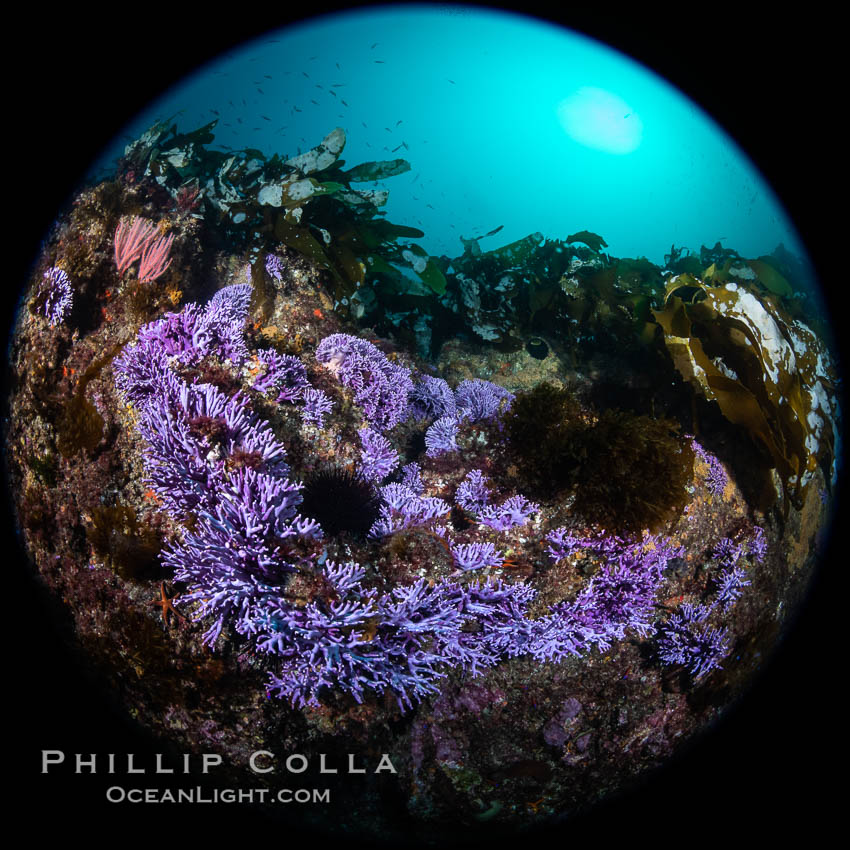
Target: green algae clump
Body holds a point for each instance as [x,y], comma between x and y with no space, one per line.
[628,472]
[540,430]
[634,472]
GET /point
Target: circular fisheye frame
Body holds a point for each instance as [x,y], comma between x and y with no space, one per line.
[423,417]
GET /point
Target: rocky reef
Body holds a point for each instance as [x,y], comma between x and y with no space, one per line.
[525,520]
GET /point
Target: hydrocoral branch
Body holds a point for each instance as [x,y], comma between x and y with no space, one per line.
[472,493]
[381,388]
[378,458]
[685,639]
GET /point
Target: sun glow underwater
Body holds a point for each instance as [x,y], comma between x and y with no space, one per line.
[600,120]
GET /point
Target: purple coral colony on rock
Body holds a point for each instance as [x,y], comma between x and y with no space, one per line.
[397,521]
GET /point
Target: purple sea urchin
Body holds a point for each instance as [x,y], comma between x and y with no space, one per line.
[340,501]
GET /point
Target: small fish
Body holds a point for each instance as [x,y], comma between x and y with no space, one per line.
[320,87]
[343,102]
[337,67]
[296,109]
[364,124]
[374,45]
[398,122]
[405,146]
[214,111]
[267,76]
[337,85]
[379,62]
[306,74]
[429,206]
[260,90]
[627,115]
[332,92]
[266,117]
[417,177]
[452,81]
[311,58]
[388,129]
[314,101]
[395,149]
[238,120]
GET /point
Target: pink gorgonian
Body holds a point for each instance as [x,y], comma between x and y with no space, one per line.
[155,259]
[132,237]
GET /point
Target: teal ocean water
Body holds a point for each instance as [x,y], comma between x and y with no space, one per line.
[507,122]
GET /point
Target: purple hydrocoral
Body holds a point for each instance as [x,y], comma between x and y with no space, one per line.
[727,552]
[431,398]
[516,510]
[477,399]
[192,334]
[274,266]
[221,328]
[732,578]
[378,457]
[473,401]
[401,641]
[563,543]
[403,508]
[472,493]
[441,437]
[287,375]
[317,405]
[621,596]
[474,496]
[685,639]
[717,479]
[475,556]
[60,296]
[411,477]
[284,373]
[236,559]
[381,388]
[191,431]
[730,585]
[757,546]
[246,557]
